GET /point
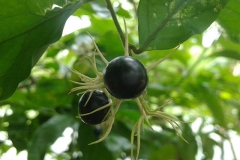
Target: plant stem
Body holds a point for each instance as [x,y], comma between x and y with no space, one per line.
[115,20]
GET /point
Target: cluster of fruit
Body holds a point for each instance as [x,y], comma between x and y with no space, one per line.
[124,78]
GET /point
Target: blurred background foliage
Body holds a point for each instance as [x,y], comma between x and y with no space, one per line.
[200,82]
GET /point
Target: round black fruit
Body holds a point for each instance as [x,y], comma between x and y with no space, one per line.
[125,78]
[87,105]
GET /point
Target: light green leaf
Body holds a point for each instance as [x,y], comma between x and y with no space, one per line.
[46,135]
[212,101]
[227,53]
[167,23]
[167,152]
[228,43]
[27,29]
[230,19]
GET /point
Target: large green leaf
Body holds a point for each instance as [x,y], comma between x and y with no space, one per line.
[230,19]
[27,29]
[46,135]
[167,23]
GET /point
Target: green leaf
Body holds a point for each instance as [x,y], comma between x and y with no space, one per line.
[167,152]
[123,13]
[167,23]
[208,146]
[46,135]
[48,92]
[95,151]
[27,29]
[228,43]
[188,151]
[114,47]
[18,130]
[42,7]
[230,19]
[212,101]
[227,53]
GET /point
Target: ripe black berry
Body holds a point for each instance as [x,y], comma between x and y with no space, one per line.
[86,105]
[125,78]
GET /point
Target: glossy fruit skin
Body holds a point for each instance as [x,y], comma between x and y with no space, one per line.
[97,100]
[125,77]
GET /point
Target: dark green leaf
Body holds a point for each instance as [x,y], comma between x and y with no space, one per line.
[167,23]
[208,146]
[96,151]
[46,135]
[27,28]
[50,90]
[18,130]
[188,151]
[42,7]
